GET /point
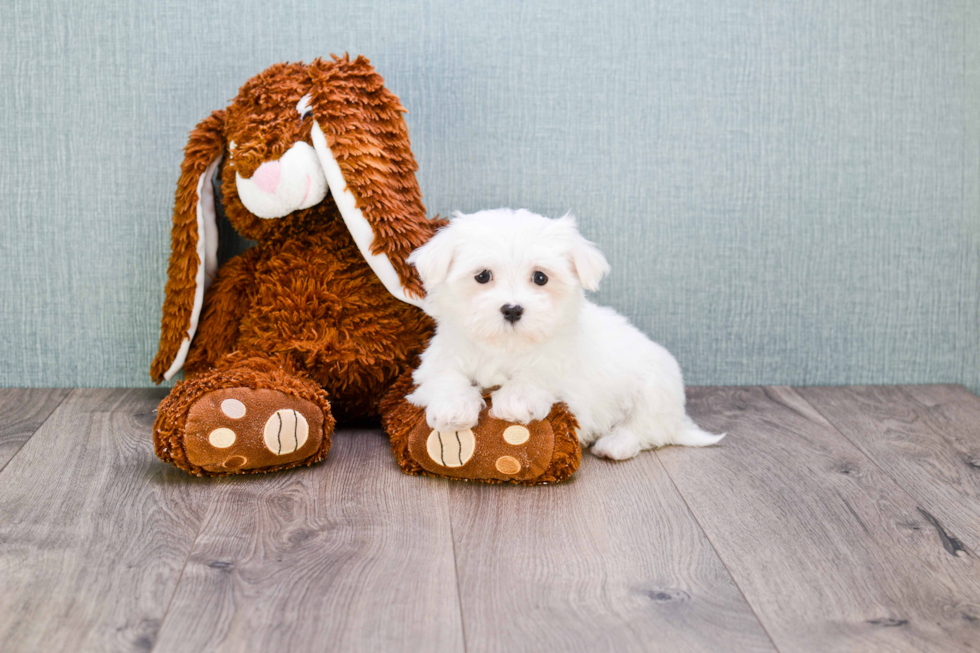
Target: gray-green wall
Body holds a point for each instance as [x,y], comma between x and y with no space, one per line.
[788,192]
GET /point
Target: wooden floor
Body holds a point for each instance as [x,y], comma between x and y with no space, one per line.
[829,519]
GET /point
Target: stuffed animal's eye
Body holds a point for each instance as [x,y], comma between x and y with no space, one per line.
[484,277]
[540,278]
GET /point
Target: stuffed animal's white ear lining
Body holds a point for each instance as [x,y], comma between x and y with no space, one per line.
[360,229]
[207,257]
[208,214]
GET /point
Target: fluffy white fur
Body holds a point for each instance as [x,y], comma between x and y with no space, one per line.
[625,390]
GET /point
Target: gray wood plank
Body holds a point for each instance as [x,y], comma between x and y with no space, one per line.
[22,411]
[927,438]
[349,555]
[94,530]
[830,552]
[611,560]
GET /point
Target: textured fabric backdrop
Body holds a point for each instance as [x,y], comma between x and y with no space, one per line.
[788,192]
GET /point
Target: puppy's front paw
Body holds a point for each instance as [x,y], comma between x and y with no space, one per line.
[522,404]
[454,413]
[618,445]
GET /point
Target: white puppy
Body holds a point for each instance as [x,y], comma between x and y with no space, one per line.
[506,290]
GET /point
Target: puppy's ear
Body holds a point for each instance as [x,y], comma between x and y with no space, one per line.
[588,263]
[194,246]
[433,260]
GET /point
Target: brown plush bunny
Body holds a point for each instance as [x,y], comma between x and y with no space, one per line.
[315,166]
[321,318]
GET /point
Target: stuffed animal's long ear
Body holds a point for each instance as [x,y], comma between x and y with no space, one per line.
[194,246]
[362,142]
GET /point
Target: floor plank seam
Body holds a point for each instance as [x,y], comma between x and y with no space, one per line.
[180,576]
[717,553]
[452,537]
[941,532]
[70,393]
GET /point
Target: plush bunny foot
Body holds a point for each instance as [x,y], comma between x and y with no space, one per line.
[239,429]
[494,451]
[210,430]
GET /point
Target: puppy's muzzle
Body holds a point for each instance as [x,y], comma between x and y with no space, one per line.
[512,313]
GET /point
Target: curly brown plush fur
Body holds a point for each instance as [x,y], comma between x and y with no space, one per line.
[306,271]
[302,309]
[401,420]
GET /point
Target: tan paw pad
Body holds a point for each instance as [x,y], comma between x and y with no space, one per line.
[508,465]
[516,434]
[221,438]
[233,408]
[235,462]
[451,448]
[285,432]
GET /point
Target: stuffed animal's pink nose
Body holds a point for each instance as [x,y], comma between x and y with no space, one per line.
[266,177]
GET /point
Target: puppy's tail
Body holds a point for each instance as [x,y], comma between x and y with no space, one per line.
[691,435]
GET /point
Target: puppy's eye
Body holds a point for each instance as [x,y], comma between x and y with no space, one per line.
[305,115]
[540,278]
[484,277]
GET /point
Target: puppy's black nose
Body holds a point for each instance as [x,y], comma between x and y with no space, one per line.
[512,313]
